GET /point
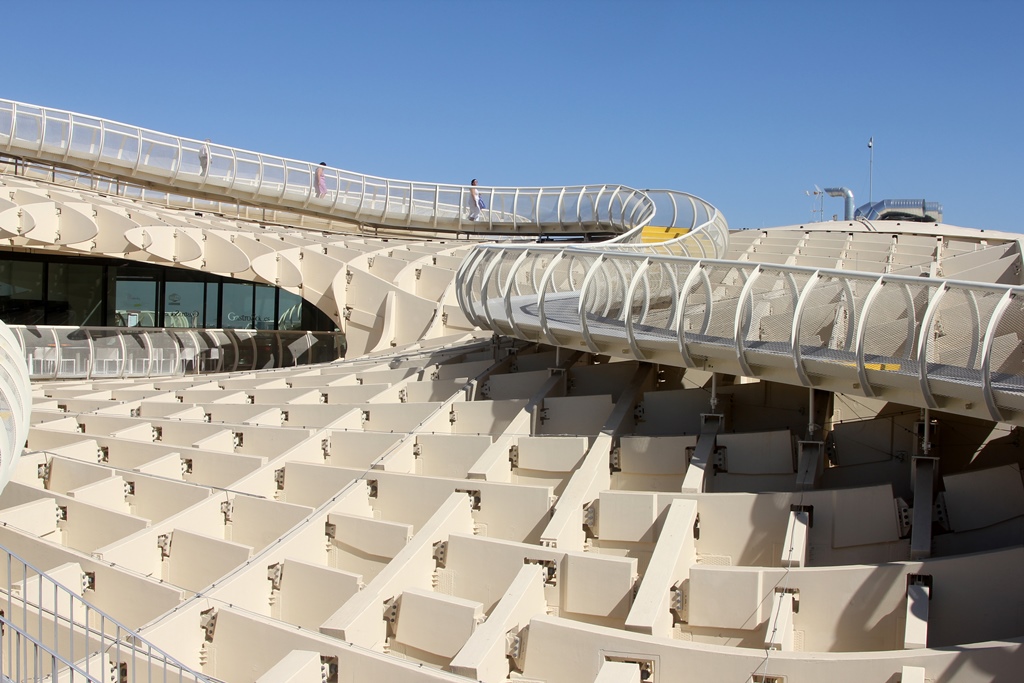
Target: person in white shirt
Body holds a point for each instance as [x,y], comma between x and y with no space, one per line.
[475,203]
[204,157]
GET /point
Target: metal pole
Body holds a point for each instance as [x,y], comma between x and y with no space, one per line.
[714,391]
[871,164]
[926,443]
[811,427]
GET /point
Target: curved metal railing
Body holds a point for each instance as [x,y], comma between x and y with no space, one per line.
[66,352]
[15,402]
[687,226]
[932,343]
[118,149]
[694,228]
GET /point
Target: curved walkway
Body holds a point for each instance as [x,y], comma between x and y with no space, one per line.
[186,165]
[952,346]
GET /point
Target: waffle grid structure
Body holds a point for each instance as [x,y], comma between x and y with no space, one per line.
[783,455]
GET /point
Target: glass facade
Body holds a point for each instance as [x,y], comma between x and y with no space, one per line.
[237,299]
[135,296]
[183,304]
[74,294]
[22,296]
[212,314]
[289,313]
[264,314]
[53,289]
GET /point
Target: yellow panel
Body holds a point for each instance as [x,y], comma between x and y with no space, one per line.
[887,367]
[659,233]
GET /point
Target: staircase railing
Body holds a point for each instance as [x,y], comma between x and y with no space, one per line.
[34,661]
[51,633]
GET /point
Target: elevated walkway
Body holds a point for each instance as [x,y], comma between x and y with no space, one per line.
[937,344]
[182,165]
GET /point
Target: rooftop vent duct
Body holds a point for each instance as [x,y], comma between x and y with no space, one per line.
[902,210]
[843,192]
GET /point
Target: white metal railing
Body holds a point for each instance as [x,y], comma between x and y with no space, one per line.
[932,343]
[691,227]
[15,402]
[51,632]
[52,172]
[121,150]
[686,226]
[34,661]
[65,352]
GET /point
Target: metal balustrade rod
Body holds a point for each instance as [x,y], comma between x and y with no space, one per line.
[923,339]
[986,355]
[513,272]
[628,309]
[61,596]
[741,321]
[797,328]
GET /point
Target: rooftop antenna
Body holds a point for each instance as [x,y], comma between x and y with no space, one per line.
[818,194]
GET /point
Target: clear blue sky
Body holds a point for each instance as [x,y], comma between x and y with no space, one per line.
[744,103]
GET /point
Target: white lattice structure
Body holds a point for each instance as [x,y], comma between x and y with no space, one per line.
[774,455]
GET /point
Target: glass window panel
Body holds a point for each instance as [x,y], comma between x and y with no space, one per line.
[74,294]
[267,350]
[289,315]
[212,304]
[183,304]
[264,314]
[21,280]
[135,297]
[237,305]
[109,312]
[21,292]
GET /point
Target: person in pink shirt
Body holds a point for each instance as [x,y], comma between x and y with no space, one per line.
[320,182]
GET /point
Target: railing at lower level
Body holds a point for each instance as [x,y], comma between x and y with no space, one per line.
[15,402]
[64,352]
[51,632]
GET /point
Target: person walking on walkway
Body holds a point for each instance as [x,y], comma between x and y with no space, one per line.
[475,202]
[320,182]
[204,157]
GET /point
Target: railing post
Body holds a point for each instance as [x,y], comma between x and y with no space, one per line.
[986,355]
[740,326]
[923,338]
[795,329]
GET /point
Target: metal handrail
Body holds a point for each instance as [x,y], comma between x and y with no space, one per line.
[15,402]
[66,352]
[18,670]
[140,154]
[54,612]
[939,344]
